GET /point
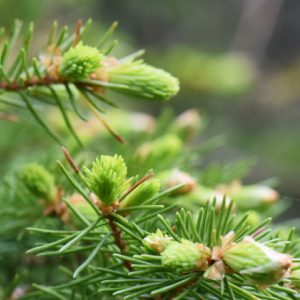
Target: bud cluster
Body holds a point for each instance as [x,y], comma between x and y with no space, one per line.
[80,61]
[258,264]
[107,179]
[134,78]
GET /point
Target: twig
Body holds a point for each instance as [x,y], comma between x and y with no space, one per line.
[17,86]
[118,239]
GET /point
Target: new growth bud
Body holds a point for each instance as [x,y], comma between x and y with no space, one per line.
[136,78]
[39,181]
[185,256]
[187,124]
[128,123]
[162,149]
[254,218]
[142,193]
[257,262]
[178,177]
[157,242]
[254,196]
[295,277]
[107,178]
[80,61]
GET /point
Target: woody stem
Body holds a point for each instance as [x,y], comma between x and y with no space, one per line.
[118,239]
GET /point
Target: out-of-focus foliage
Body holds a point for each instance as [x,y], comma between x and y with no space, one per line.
[224,74]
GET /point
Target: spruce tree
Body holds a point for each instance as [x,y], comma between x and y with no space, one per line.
[129,212]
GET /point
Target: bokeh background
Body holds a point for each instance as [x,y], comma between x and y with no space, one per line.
[238,63]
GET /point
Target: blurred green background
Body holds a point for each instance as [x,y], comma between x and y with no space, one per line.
[238,63]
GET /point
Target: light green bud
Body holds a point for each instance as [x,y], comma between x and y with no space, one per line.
[187,124]
[80,61]
[142,193]
[161,150]
[254,197]
[157,242]
[38,180]
[136,78]
[254,218]
[127,123]
[185,256]
[295,277]
[177,177]
[257,262]
[107,178]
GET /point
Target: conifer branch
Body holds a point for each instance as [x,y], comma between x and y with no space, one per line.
[89,70]
[182,234]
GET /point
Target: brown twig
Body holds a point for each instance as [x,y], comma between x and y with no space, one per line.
[17,86]
[46,80]
[118,239]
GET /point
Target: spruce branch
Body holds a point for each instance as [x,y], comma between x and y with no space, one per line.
[107,179]
[139,243]
[67,62]
[186,262]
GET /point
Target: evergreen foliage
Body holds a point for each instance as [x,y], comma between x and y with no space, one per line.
[151,219]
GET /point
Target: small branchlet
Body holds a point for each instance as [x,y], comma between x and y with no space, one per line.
[215,248]
[69,63]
